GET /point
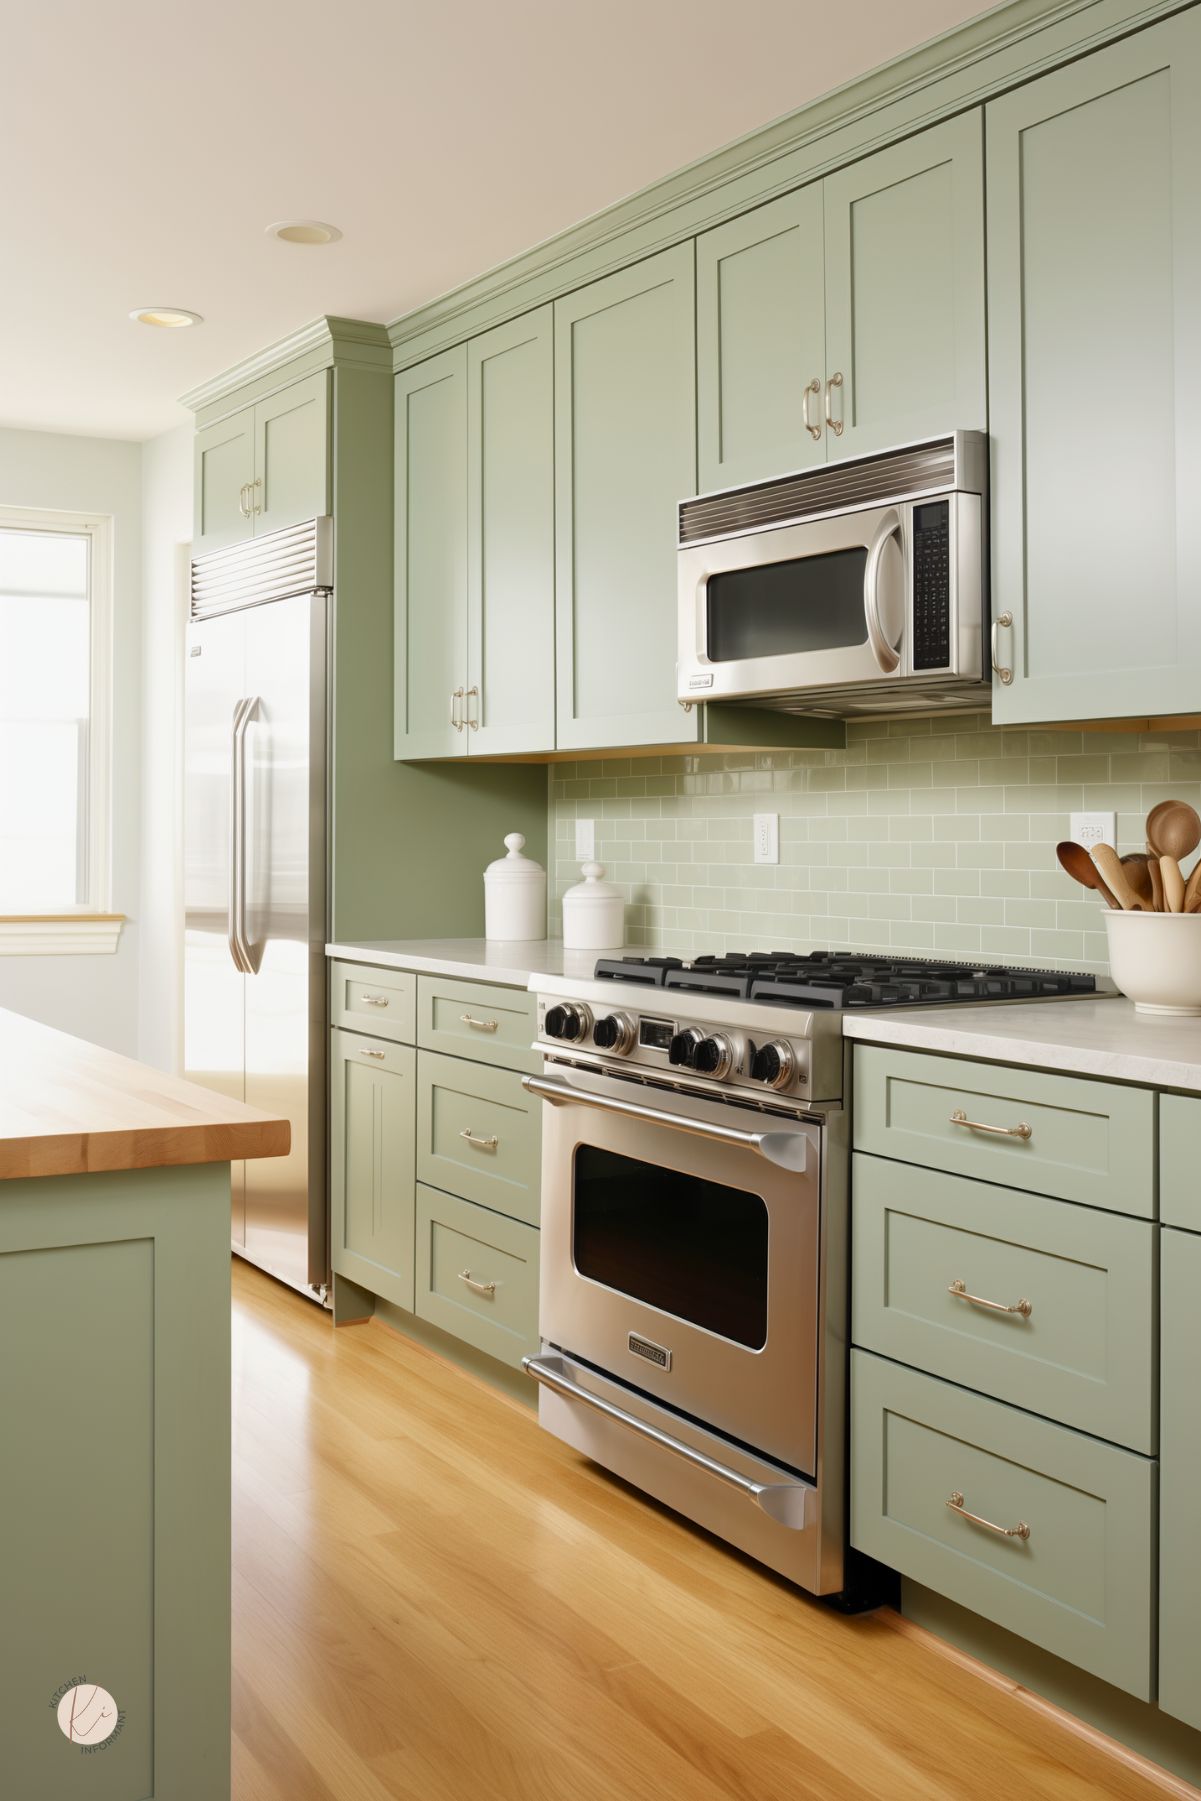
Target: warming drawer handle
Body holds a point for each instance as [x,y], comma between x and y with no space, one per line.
[787,1150]
[788,1503]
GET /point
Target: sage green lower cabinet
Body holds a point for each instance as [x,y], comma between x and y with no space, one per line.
[382,1002]
[1081,1140]
[1094,291]
[476,1020]
[372,1138]
[625,455]
[1180,1477]
[479,1134]
[1028,1300]
[477,1275]
[1180,1161]
[291,455]
[1062,1548]
[115,1493]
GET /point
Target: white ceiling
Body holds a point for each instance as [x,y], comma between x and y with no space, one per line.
[147,145]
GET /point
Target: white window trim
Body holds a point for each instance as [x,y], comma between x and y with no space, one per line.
[90,928]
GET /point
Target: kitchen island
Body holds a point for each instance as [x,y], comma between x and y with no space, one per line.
[114,1421]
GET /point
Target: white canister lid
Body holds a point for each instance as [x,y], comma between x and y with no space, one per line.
[515,867]
[593,891]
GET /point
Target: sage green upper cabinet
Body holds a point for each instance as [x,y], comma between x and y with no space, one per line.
[625,428]
[431,556]
[264,467]
[223,473]
[1094,292]
[761,342]
[291,455]
[511,538]
[904,234]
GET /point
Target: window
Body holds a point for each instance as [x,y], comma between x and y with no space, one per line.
[55,665]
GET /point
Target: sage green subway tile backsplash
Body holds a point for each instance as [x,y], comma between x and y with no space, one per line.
[922,835]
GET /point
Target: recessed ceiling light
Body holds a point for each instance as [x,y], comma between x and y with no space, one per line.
[168,318]
[304,231]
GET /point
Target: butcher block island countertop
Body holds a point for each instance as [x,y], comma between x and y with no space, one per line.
[69,1108]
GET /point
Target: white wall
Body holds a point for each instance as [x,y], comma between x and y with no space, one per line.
[95,997]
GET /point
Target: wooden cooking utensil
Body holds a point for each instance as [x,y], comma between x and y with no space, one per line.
[1079,865]
[1173,829]
[1157,905]
[1192,891]
[1105,859]
[1137,865]
[1173,885]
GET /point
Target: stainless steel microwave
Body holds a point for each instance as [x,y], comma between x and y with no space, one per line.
[855,587]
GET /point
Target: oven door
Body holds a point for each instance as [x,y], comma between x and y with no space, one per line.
[680,1252]
[824,604]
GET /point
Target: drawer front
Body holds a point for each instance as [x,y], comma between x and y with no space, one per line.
[1079,1140]
[479,1134]
[470,1019]
[380,1001]
[1080,1345]
[1180,1161]
[1080,1585]
[477,1275]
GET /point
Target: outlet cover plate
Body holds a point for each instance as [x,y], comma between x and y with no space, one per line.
[1094,828]
[585,840]
[767,838]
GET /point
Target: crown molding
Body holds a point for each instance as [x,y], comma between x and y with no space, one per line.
[323,341]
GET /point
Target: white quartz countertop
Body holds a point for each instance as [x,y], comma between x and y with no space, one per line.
[513,965]
[1096,1037]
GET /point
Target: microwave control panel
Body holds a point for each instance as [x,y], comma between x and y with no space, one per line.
[931,646]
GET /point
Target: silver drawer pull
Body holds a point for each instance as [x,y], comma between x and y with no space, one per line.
[484,1288]
[1021,1130]
[955,1503]
[374,1000]
[959,1290]
[480,1025]
[364,1052]
[480,1144]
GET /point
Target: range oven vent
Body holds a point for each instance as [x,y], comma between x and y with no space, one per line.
[955,462]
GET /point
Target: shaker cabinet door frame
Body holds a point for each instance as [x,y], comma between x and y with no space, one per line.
[223,469]
[291,455]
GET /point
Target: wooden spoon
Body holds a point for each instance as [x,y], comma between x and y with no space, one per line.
[1079,865]
[1106,860]
[1192,891]
[1138,869]
[1173,829]
[1173,885]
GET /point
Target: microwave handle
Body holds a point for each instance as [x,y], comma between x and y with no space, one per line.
[886,654]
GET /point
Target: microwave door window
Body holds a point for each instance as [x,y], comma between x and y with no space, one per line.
[787,609]
[686,1246]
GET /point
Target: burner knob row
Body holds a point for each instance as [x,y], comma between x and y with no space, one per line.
[569,1022]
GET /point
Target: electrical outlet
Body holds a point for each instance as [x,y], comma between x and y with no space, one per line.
[1095,828]
[767,837]
[585,840]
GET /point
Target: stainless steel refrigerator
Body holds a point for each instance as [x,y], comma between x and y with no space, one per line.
[256,873]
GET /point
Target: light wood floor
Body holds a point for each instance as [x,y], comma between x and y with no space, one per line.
[435,1601]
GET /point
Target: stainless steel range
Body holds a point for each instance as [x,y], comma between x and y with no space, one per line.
[694,1285]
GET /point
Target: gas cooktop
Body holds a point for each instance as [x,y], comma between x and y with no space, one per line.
[842,979]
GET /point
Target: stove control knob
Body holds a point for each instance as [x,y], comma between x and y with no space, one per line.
[569,1022]
[773,1064]
[614,1033]
[714,1056]
[682,1051]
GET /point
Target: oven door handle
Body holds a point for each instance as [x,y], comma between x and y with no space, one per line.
[787,1150]
[788,1503]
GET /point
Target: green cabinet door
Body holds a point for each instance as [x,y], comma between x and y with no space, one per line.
[223,474]
[760,343]
[511,538]
[291,455]
[1180,1477]
[1094,377]
[430,644]
[373,1163]
[625,455]
[904,235]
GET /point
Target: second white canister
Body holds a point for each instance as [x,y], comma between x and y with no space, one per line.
[594,913]
[515,896]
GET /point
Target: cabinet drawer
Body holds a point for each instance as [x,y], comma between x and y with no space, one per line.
[477,1275]
[1180,1162]
[1079,1585]
[381,1001]
[470,1019]
[1082,1141]
[479,1134]
[1082,1354]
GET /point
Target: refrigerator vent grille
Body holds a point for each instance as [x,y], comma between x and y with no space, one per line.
[297,560]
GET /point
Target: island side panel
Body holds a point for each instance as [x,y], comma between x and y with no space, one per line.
[115,1484]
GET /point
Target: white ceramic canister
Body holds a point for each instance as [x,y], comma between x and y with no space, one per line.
[515,896]
[594,913]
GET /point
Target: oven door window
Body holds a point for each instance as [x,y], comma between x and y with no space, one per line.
[684,1245]
[787,609]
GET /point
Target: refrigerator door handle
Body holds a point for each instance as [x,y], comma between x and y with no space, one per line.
[246,958]
[236,794]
